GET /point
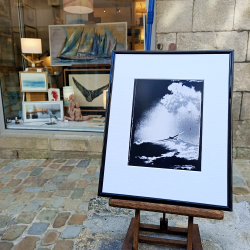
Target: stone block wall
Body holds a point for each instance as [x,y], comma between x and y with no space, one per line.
[213,25]
[47,146]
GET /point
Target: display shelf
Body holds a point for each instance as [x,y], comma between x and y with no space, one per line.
[81,126]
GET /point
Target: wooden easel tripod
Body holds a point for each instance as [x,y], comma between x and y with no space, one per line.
[192,232]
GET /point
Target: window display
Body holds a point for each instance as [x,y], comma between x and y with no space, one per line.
[51,51]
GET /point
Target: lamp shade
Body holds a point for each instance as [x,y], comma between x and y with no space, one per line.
[78,6]
[31,45]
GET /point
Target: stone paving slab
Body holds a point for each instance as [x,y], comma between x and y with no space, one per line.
[53,205]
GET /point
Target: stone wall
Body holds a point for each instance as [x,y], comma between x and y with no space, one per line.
[47,146]
[213,25]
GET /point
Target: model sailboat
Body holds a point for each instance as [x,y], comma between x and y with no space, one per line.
[87,46]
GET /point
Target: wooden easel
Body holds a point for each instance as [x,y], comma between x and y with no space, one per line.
[193,241]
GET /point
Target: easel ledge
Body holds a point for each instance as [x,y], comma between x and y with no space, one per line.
[192,232]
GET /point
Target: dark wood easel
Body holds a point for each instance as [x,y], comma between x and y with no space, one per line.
[193,241]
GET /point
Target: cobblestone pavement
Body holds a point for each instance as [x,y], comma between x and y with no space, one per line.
[44,203]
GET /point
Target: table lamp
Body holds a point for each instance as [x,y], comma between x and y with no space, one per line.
[78,6]
[31,46]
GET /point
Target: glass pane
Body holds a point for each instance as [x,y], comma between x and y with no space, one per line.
[73,55]
[10,59]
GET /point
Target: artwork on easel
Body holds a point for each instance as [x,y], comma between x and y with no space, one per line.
[166,124]
[167,131]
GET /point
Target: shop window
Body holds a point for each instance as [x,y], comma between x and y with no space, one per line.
[55,59]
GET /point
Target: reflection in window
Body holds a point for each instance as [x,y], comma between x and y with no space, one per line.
[67,44]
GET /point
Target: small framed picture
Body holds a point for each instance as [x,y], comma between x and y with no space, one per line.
[30,32]
[38,111]
[33,82]
[170,150]
[54,94]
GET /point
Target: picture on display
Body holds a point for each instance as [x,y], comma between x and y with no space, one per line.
[92,43]
[33,82]
[166,124]
[42,111]
[88,86]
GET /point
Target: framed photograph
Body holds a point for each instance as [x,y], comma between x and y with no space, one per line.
[30,32]
[38,111]
[102,39]
[29,16]
[54,94]
[33,82]
[88,86]
[169,137]
[5,8]
[5,27]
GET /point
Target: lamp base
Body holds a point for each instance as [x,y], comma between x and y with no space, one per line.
[33,63]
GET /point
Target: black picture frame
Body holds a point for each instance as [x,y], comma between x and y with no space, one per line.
[68,72]
[227,207]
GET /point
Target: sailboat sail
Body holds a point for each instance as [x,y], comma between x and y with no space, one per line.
[87,45]
[112,48]
[72,44]
[94,51]
[83,41]
[101,45]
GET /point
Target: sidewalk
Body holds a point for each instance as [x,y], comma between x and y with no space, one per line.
[52,204]
[43,203]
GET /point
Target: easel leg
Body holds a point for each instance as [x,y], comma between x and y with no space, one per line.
[136,229]
[190,232]
[164,222]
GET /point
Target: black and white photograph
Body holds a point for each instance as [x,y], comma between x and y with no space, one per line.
[166,124]
[167,136]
